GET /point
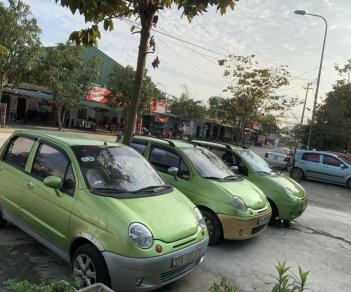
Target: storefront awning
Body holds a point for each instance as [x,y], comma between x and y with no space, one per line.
[29,93]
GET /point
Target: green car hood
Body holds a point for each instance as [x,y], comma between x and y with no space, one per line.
[170,217]
[289,183]
[252,195]
[275,182]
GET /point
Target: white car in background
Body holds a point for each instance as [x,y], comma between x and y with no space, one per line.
[278,157]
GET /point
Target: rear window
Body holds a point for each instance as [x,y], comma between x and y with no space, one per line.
[138,146]
[18,151]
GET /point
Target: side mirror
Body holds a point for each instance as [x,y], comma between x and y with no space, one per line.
[54,182]
[342,166]
[173,171]
[234,168]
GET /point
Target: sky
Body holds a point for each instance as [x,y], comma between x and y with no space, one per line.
[189,52]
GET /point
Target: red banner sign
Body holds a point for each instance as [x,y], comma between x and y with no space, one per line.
[98,94]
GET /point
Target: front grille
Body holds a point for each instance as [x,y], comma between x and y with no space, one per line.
[173,274]
[184,243]
[258,229]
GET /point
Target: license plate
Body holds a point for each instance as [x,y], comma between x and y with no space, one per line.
[263,220]
[186,258]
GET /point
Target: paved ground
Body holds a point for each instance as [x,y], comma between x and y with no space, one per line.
[319,241]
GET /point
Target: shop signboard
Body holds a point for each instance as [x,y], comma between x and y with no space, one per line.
[159,106]
[98,94]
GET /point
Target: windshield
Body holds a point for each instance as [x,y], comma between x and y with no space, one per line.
[255,161]
[207,164]
[115,168]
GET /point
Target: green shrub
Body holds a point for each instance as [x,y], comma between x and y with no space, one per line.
[223,286]
[286,282]
[51,286]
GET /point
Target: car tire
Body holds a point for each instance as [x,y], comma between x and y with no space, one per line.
[275,214]
[3,222]
[297,174]
[89,266]
[213,226]
[348,183]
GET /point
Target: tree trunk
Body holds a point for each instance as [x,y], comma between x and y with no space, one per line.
[146,24]
[59,113]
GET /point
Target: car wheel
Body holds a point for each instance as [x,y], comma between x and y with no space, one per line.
[2,221]
[275,213]
[287,223]
[213,226]
[349,183]
[89,267]
[297,174]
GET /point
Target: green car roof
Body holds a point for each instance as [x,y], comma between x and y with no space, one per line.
[69,138]
[176,143]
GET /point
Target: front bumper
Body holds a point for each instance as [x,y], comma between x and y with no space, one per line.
[155,272]
[289,211]
[236,228]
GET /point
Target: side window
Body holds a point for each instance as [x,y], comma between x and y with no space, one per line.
[218,152]
[139,146]
[50,161]
[330,160]
[311,157]
[227,157]
[162,159]
[18,151]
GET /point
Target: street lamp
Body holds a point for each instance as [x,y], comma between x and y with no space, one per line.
[303,12]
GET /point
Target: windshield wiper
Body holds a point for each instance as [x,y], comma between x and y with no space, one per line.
[212,177]
[264,172]
[231,177]
[152,189]
[110,190]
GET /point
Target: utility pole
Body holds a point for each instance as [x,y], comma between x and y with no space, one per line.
[304,105]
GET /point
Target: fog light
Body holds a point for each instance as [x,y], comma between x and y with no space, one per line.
[158,248]
[139,281]
[202,232]
[241,232]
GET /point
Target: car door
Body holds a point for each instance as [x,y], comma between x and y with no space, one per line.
[46,210]
[331,169]
[12,174]
[162,158]
[311,164]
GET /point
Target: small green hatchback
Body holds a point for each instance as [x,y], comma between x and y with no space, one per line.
[102,207]
[233,207]
[288,199]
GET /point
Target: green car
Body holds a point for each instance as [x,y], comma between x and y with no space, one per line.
[288,199]
[233,207]
[100,206]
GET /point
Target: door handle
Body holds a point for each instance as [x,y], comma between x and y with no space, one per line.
[30,184]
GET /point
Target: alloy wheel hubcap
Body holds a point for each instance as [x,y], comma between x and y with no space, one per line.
[84,271]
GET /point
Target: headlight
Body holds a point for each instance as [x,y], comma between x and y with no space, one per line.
[290,193]
[200,220]
[140,235]
[239,204]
